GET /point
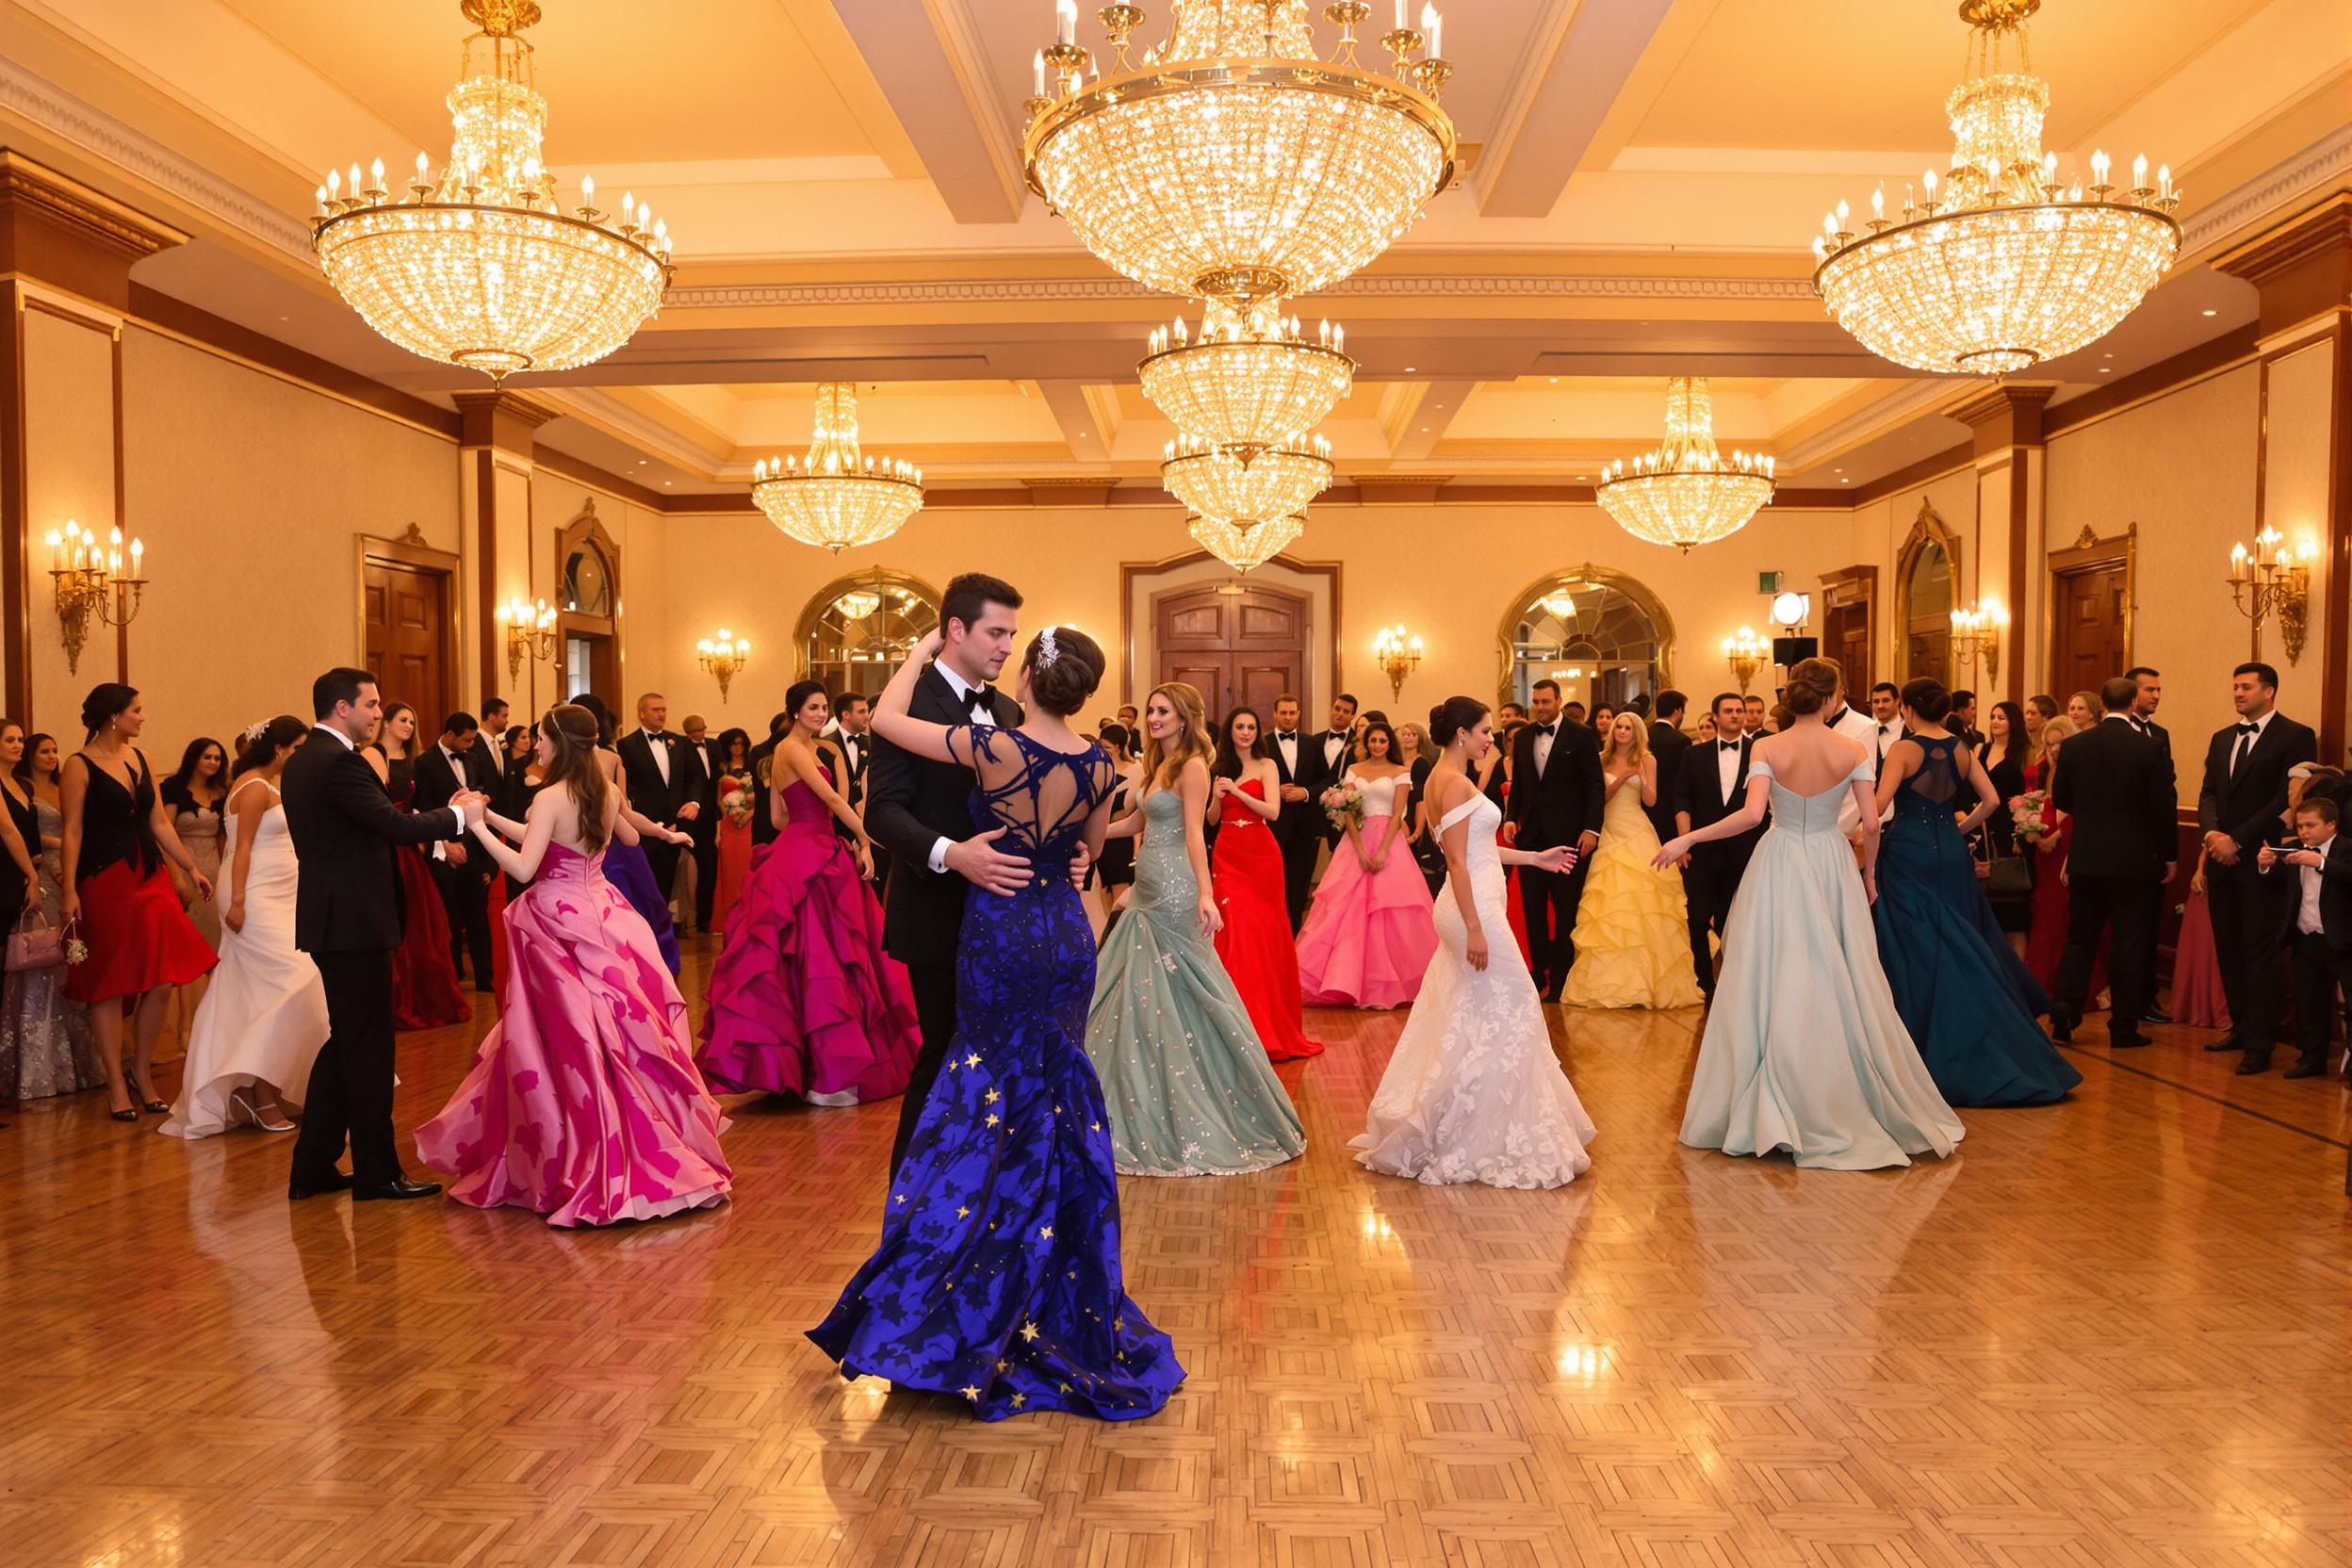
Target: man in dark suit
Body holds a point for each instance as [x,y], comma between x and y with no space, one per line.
[1713,785]
[704,828]
[2240,809]
[1299,825]
[1555,798]
[1669,744]
[2117,787]
[348,916]
[2319,930]
[1328,754]
[920,809]
[664,782]
[853,720]
[1961,720]
[2143,716]
[494,725]
[445,770]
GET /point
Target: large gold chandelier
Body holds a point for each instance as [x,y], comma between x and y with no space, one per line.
[837,497]
[1250,379]
[2004,267]
[1245,545]
[1222,485]
[1686,493]
[482,267]
[1232,161]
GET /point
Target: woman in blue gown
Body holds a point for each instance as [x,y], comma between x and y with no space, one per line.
[1968,1002]
[625,864]
[998,1277]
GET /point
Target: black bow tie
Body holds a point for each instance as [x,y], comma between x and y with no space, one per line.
[1552,728]
[1290,735]
[975,699]
[1727,746]
[2249,729]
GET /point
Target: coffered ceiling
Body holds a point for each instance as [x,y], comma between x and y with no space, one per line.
[842,177]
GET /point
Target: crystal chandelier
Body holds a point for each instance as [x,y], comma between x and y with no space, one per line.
[1219,482]
[1687,491]
[2002,266]
[1244,545]
[1232,161]
[1250,379]
[481,268]
[837,498]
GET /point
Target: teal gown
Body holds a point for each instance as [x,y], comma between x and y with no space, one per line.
[1187,1082]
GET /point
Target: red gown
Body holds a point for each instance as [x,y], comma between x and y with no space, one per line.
[425,993]
[1254,943]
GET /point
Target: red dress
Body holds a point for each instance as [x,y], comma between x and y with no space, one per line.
[138,935]
[1254,943]
[425,993]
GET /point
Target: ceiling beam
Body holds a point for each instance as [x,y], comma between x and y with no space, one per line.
[927,63]
[1579,54]
[1076,413]
[1417,417]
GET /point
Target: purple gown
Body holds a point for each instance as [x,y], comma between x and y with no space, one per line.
[584,1105]
[627,869]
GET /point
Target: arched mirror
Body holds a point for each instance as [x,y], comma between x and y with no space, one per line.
[1926,574]
[858,629]
[588,623]
[1602,635]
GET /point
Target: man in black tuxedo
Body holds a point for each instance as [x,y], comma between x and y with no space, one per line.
[348,916]
[2240,809]
[1961,720]
[445,770]
[494,725]
[2150,697]
[1713,785]
[2319,929]
[1669,744]
[664,782]
[1299,825]
[920,809]
[1328,754]
[853,720]
[1555,798]
[704,828]
[2119,789]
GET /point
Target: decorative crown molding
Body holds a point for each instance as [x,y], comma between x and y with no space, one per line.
[934,291]
[91,216]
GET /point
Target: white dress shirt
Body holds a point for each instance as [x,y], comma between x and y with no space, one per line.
[1288,745]
[2248,741]
[2306,913]
[660,753]
[1726,765]
[1544,735]
[1856,724]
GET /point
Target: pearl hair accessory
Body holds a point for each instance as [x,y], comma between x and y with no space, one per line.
[1047,650]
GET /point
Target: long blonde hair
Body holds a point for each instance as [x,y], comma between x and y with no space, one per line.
[2053,731]
[1161,764]
[1640,740]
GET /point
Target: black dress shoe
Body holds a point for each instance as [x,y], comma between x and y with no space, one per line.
[2124,1042]
[2307,1070]
[2227,1042]
[398,1191]
[2256,1062]
[301,1187]
[2157,1015]
[2062,1022]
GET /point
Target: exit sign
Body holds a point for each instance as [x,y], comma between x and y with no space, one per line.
[1768,583]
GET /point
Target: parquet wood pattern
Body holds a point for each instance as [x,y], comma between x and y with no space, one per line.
[2108,1332]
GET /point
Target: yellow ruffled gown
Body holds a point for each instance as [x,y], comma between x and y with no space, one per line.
[1633,933]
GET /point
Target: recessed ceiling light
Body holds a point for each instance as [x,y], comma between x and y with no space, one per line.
[2103,370]
[1410,368]
[1425,430]
[666,484]
[640,462]
[1845,482]
[2213,312]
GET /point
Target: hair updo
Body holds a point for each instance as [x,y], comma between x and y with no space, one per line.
[796,696]
[258,747]
[106,700]
[1811,684]
[1927,698]
[1062,686]
[1454,715]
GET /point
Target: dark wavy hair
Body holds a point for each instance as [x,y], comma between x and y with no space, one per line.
[262,749]
[185,775]
[106,700]
[1228,763]
[23,769]
[1364,742]
[1928,698]
[1063,687]
[1454,715]
[2014,713]
[797,697]
[726,746]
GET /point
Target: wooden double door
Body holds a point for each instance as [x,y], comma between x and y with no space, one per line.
[2089,643]
[1239,643]
[406,631]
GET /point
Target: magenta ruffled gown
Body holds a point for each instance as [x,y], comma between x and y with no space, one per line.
[1369,936]
[584,1105]
[803,999]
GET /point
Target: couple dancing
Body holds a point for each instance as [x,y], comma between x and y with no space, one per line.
[997,1279]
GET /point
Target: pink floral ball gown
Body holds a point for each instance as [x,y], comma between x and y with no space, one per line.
[1369,936]
[584,1105]
[803,999]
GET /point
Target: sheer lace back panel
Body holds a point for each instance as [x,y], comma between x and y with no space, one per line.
[1040,797]
[1934,782]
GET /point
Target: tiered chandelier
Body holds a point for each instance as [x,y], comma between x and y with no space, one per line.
[1232,161]
[1216,482]
[1686,493]
[837,497]
[1250,379]
[481,267]
[2003,265]
[1244,545]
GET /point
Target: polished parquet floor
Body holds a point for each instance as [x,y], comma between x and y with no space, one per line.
[2113,1331]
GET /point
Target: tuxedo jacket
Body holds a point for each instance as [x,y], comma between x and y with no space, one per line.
[1669,744]
[1701,794]
[648,790]
[857,764]
[2335,893]
[913,802]
[1565,802]
[436,782]
[345,828]
[2249,806]
[2116,784]
[1297,819]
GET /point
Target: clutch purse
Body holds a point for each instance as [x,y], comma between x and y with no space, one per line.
[31,947]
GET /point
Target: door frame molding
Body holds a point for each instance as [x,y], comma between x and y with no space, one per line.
[586,527]
[1851,585]
[412,553]
[2091,553]
[1129,571]
[1927,528]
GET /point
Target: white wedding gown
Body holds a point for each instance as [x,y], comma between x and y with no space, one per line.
[264,1014]
[1473,1092]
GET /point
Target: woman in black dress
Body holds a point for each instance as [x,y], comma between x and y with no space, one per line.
[2006,748]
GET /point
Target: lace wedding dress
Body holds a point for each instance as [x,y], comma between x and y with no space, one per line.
[1473,1092]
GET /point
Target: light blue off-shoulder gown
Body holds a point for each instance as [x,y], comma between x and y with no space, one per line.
[1803,1049]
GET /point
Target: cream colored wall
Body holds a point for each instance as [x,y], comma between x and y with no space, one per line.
[251,493]
[69,455]
[2183,467]
[649,659]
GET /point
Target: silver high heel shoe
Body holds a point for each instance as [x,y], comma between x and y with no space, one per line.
[243,1108]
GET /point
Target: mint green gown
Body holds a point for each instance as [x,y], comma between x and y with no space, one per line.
[1189,1087]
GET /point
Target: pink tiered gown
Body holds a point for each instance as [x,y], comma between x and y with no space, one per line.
[803,999]
[1369,936]
[584,1105]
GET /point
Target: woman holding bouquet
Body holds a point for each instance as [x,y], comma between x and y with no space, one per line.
[1369,935]
[803,999]
[739,800]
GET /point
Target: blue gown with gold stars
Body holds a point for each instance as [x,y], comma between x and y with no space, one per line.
[997,1278]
